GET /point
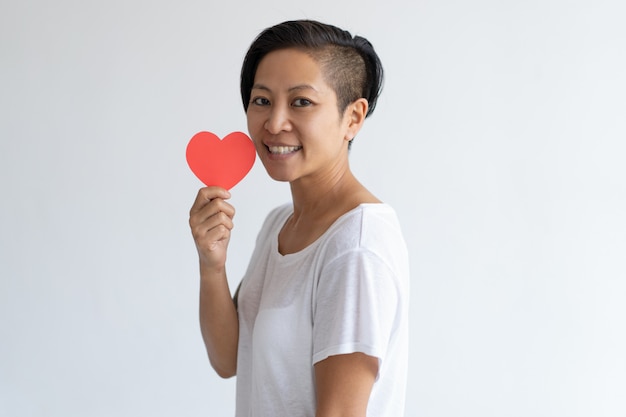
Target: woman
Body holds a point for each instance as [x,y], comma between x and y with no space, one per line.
[318,326]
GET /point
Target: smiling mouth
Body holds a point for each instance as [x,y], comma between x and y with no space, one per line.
[283,150]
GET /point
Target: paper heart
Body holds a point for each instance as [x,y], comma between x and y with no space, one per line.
[220,162]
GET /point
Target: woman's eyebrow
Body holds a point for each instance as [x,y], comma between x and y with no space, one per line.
[294,88]
[303,87]
[260,87]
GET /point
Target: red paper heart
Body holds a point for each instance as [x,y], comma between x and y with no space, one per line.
[220,162]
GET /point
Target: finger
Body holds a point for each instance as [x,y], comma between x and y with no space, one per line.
[207,194]
[217,221]
[209,236]
[214,207]
[214,225]
[215,236]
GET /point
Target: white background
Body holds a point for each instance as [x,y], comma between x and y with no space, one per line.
[499,139]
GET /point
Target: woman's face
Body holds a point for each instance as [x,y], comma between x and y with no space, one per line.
[294,120]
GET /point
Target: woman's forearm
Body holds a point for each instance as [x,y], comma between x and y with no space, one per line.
[218,322]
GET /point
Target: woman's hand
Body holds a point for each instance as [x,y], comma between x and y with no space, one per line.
[211,220]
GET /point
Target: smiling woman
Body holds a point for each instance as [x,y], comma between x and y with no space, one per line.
[293,118]
[319,324]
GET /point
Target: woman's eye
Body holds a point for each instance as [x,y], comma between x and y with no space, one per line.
[301,102]
[261,101]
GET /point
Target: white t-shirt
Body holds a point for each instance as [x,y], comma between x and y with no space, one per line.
[346,292]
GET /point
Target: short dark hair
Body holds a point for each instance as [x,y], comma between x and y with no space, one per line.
[350,65]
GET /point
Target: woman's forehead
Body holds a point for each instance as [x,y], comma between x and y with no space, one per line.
[290,68]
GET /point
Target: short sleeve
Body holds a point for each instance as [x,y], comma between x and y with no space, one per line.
[355,306]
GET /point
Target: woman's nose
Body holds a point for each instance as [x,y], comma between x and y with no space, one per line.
[277,121]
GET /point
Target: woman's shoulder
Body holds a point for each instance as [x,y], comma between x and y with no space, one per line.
[375,214]
[369,226]
[370,234]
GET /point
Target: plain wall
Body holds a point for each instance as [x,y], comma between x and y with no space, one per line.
[499,140]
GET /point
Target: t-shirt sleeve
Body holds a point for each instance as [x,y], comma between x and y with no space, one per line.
[355,306]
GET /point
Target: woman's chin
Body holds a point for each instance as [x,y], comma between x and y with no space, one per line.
[279,177]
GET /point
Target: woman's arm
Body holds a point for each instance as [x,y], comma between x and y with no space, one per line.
[210,220]
[343,384]
[218,323]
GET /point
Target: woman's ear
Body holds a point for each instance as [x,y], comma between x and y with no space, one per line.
[355,114]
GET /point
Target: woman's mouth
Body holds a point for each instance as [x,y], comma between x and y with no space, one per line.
[283,150]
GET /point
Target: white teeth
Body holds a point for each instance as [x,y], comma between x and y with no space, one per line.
[282,150]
